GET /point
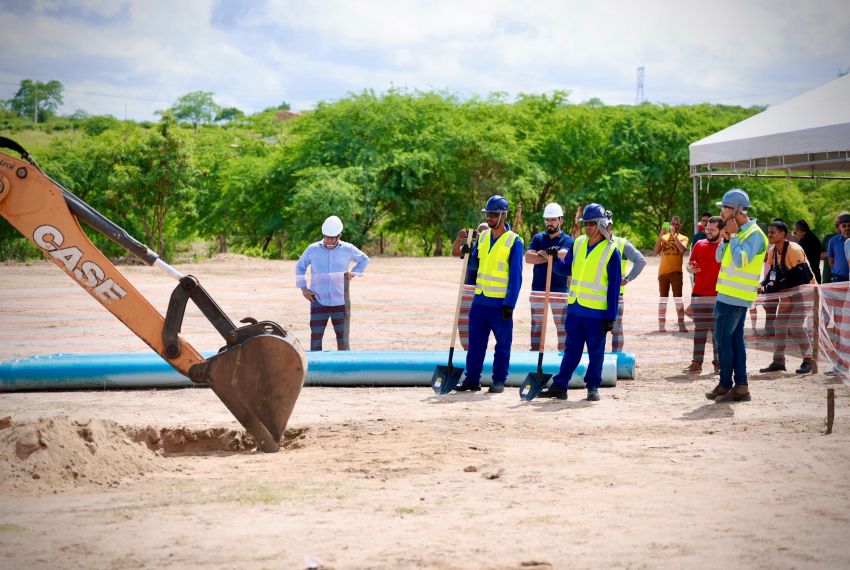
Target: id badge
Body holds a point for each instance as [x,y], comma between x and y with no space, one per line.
[772,276]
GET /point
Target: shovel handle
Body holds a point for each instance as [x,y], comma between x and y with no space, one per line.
[460,293]
[546,305]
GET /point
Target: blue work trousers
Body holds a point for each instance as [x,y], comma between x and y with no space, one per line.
[482,320]
[729,339]
[582,331]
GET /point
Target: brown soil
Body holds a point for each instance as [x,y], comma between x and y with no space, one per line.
[653,476]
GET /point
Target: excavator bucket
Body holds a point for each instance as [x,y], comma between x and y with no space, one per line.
[259,381]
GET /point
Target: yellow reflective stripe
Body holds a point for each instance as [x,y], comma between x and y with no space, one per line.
[487,277]
[734,284]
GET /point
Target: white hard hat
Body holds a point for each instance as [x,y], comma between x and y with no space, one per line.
[553,210]
[332,227]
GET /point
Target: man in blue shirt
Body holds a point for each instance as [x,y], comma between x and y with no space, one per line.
[330,261]
[499,254]
[595,265]
[835,252]
[538,256]
[741,256]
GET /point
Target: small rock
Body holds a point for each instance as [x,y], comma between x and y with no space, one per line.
[470,469]
[6,422]
[493,474]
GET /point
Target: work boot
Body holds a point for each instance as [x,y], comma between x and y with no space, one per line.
[718,391]
[592,395]
[467,386]
[805,367]
[496,388]
[694,368]
[774,367]
[553,392]
[683,328]
[740,393]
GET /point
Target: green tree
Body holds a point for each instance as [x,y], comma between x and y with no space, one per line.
[196,107]
[36,99]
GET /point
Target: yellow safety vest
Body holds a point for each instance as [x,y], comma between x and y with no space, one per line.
[621,245]
[742,283]
[590,274]
[493,264]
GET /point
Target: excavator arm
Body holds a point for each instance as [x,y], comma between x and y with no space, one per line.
[259,372]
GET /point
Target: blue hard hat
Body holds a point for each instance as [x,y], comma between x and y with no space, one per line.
[593,213]
[496,204]
[735,198]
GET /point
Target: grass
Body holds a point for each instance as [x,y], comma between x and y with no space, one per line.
[11,527]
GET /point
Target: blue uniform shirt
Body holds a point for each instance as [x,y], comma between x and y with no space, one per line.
[328,268]
[541,242]
[615,278]
[836,253]
[514,274]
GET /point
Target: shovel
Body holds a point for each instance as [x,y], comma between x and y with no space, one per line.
[533,383]
[445,378]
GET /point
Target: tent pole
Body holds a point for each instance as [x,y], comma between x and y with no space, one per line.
[696,206]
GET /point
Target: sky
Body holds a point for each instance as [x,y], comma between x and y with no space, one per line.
[130,58]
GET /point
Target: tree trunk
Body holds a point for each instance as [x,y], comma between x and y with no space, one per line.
[438,250]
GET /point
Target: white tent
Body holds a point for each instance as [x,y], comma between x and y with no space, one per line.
[805,137]
[810,133]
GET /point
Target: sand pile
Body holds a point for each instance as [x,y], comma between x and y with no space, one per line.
[59,453]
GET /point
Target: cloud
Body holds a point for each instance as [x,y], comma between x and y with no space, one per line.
[144,55]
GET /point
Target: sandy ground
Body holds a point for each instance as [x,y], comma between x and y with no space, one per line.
[653,476]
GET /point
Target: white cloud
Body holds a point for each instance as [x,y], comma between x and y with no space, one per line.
[254,56]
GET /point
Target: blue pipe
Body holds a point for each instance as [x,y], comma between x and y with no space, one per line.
[330,368]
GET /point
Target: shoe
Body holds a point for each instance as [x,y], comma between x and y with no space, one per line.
[592,395]
[496,388]
[694,368]
[740,393]
[683,328]
[805,367]
[834,371]
[716,365]
[662,329]
[774,367]
[553,392]
[468,387]
[718,391]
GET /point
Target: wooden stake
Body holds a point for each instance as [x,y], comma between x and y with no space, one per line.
[830,409]
[816,331]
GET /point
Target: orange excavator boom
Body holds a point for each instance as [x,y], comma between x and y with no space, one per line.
[259,372]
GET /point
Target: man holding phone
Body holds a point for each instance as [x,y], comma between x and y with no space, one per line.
[671,245]
[741,255]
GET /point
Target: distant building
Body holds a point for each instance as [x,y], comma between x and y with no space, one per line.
[286,115]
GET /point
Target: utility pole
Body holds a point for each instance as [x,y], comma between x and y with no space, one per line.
[639,93]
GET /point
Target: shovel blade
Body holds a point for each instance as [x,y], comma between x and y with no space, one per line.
[532,385]
[259,381]
[444,381]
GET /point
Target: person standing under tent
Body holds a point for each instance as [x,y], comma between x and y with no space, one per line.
[330,262]
[703,265]
[811,245]
[783,257]
[499,252]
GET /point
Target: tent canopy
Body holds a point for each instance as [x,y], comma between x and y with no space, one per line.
[809,133]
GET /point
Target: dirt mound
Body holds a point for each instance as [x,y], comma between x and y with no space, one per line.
[186,441]
[59,453]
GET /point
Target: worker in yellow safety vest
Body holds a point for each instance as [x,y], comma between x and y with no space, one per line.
[741,256]
[594,262]
[499,254]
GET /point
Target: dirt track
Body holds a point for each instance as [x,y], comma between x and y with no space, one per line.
[652,476]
